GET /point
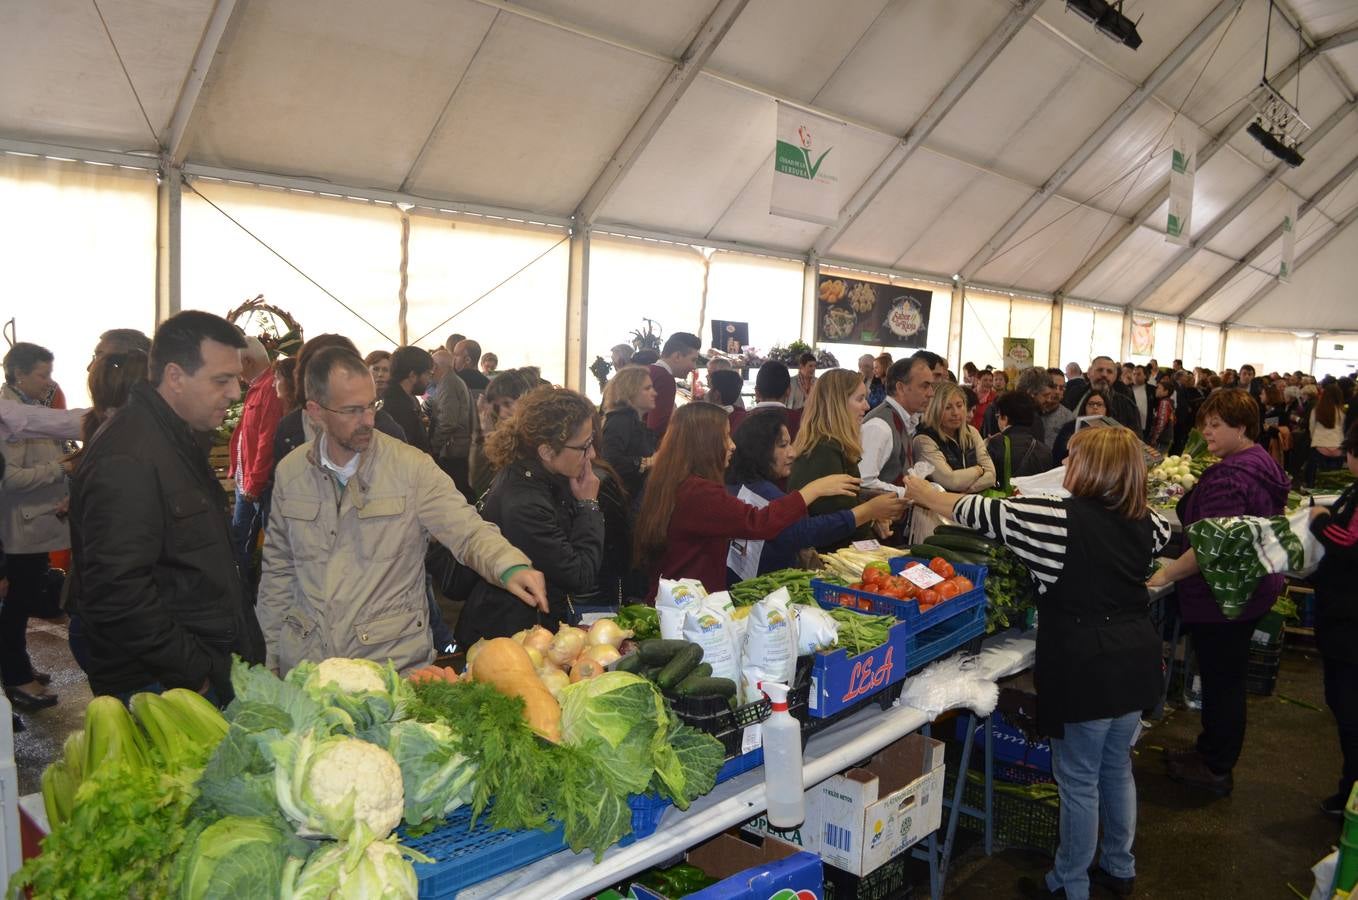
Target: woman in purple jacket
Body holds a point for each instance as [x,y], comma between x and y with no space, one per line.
[1247,482]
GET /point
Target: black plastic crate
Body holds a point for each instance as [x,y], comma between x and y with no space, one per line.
[1261,671]
[1021,821]
[716,716]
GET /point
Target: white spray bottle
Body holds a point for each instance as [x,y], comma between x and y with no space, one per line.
[782,761]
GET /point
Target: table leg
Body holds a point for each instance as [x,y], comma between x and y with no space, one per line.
[989,786]
[957,797]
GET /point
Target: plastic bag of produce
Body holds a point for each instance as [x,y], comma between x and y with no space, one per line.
[710,627]
[816,629]
[672,600]
[724,603]
[769,652]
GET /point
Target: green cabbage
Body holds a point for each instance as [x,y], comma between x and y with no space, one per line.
[377,871]
[437,779]
[234,858]
[622,721]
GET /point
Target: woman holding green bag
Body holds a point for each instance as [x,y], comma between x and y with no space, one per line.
[1016,449]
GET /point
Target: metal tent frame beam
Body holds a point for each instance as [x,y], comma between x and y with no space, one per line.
[943,104]
[1335,41]
[1229,215]
[671,91]
[1260,248]
[1220,141]
[1258,296]
[1091,145]
[225,17]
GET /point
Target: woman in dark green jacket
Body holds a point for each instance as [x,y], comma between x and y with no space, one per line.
[829,441]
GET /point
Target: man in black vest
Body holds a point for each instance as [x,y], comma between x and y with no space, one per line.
[890,427]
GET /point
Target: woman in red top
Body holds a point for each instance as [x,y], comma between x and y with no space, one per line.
[688,519]
[985,395]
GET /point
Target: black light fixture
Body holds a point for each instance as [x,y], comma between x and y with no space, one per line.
[1279,127]
[1275,143]
[1108,19]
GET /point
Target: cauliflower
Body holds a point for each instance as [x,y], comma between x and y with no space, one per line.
[337,787]
[339,872]
[352,675]
[365,696]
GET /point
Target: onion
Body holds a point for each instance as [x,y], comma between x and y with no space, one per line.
[567,645]
[534,657]
[539,639]
[585,668]
[518,636]
[603,654]
[553,679]
[473,651]
[606,632]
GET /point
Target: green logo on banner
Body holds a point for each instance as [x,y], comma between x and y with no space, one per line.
[1176,225]
[1287,223]
[790,159]
[1180,162]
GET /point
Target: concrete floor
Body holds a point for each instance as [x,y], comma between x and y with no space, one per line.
[1254,844]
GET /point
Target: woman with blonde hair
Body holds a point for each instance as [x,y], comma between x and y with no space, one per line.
[628,445]
[830,442]
[952,445]
[1098,655]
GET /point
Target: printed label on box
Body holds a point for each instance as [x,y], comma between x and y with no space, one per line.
[752,738]
[868,678]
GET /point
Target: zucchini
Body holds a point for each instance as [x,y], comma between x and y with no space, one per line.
[679,667]
[707,687]
[963,531]
[658,651]
[702,670]
[629,663]
[966,545]
[929,551]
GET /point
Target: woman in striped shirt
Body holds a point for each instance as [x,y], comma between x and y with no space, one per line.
[1098,656]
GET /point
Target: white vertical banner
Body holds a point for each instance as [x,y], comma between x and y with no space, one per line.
[806,160]
[1183,164]
[1289,240]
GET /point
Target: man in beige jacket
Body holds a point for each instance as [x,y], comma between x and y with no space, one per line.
[343,571]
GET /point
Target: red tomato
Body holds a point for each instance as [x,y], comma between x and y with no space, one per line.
[963,584]
[947,590]
[857,585]
[910,590]
[928,598]
[912,564]
[942,567]
[895,591]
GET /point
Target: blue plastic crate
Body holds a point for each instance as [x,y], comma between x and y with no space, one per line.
[840,681]
[465,856]
[648,809]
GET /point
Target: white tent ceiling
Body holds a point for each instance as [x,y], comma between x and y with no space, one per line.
[1047,173]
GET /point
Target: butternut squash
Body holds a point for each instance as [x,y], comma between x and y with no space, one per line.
[505,665]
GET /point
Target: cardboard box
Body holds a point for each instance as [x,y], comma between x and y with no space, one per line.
[860,820]
[767,870]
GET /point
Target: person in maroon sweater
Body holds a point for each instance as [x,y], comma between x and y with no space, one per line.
[678,358]
[688,519]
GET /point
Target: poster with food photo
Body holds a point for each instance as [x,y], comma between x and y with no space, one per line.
[849,311]
[1018,355]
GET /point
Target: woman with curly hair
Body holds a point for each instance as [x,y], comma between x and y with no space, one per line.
[545,500]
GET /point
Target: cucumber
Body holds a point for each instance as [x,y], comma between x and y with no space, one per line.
[658,652]
[962,531]
[679,667]
[702,670]
[707,687]
[629,663]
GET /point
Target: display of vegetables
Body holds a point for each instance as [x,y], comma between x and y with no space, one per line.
[1175,475]
[677,668]
[877,579]
[848,564]
[1009,586]
[859,633]
[797,582]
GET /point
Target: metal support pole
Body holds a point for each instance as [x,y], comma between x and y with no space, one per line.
[1054,338]
[810,275]
[1221,348]
[577,310]
[169,200]
[1315,346]
[1126,335]
[959,297]
[1180,327]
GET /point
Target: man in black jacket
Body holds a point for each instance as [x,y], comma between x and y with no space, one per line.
[1103,376]
[412,369]
[160,596]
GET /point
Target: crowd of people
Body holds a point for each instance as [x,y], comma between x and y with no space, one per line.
[381,483]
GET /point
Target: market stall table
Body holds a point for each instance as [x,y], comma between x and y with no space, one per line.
[566,875]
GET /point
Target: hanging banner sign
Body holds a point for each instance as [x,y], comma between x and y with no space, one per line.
[1183,165]
[806,160]
[1143,337]
[849,311]
[1289,241]
[1018,355]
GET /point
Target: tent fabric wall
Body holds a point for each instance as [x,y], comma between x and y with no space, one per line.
[987,319]
[1268,351]
[765,292]
[79,250]
[1087,332]
[1165,339]
[1202,346]
[352,249]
